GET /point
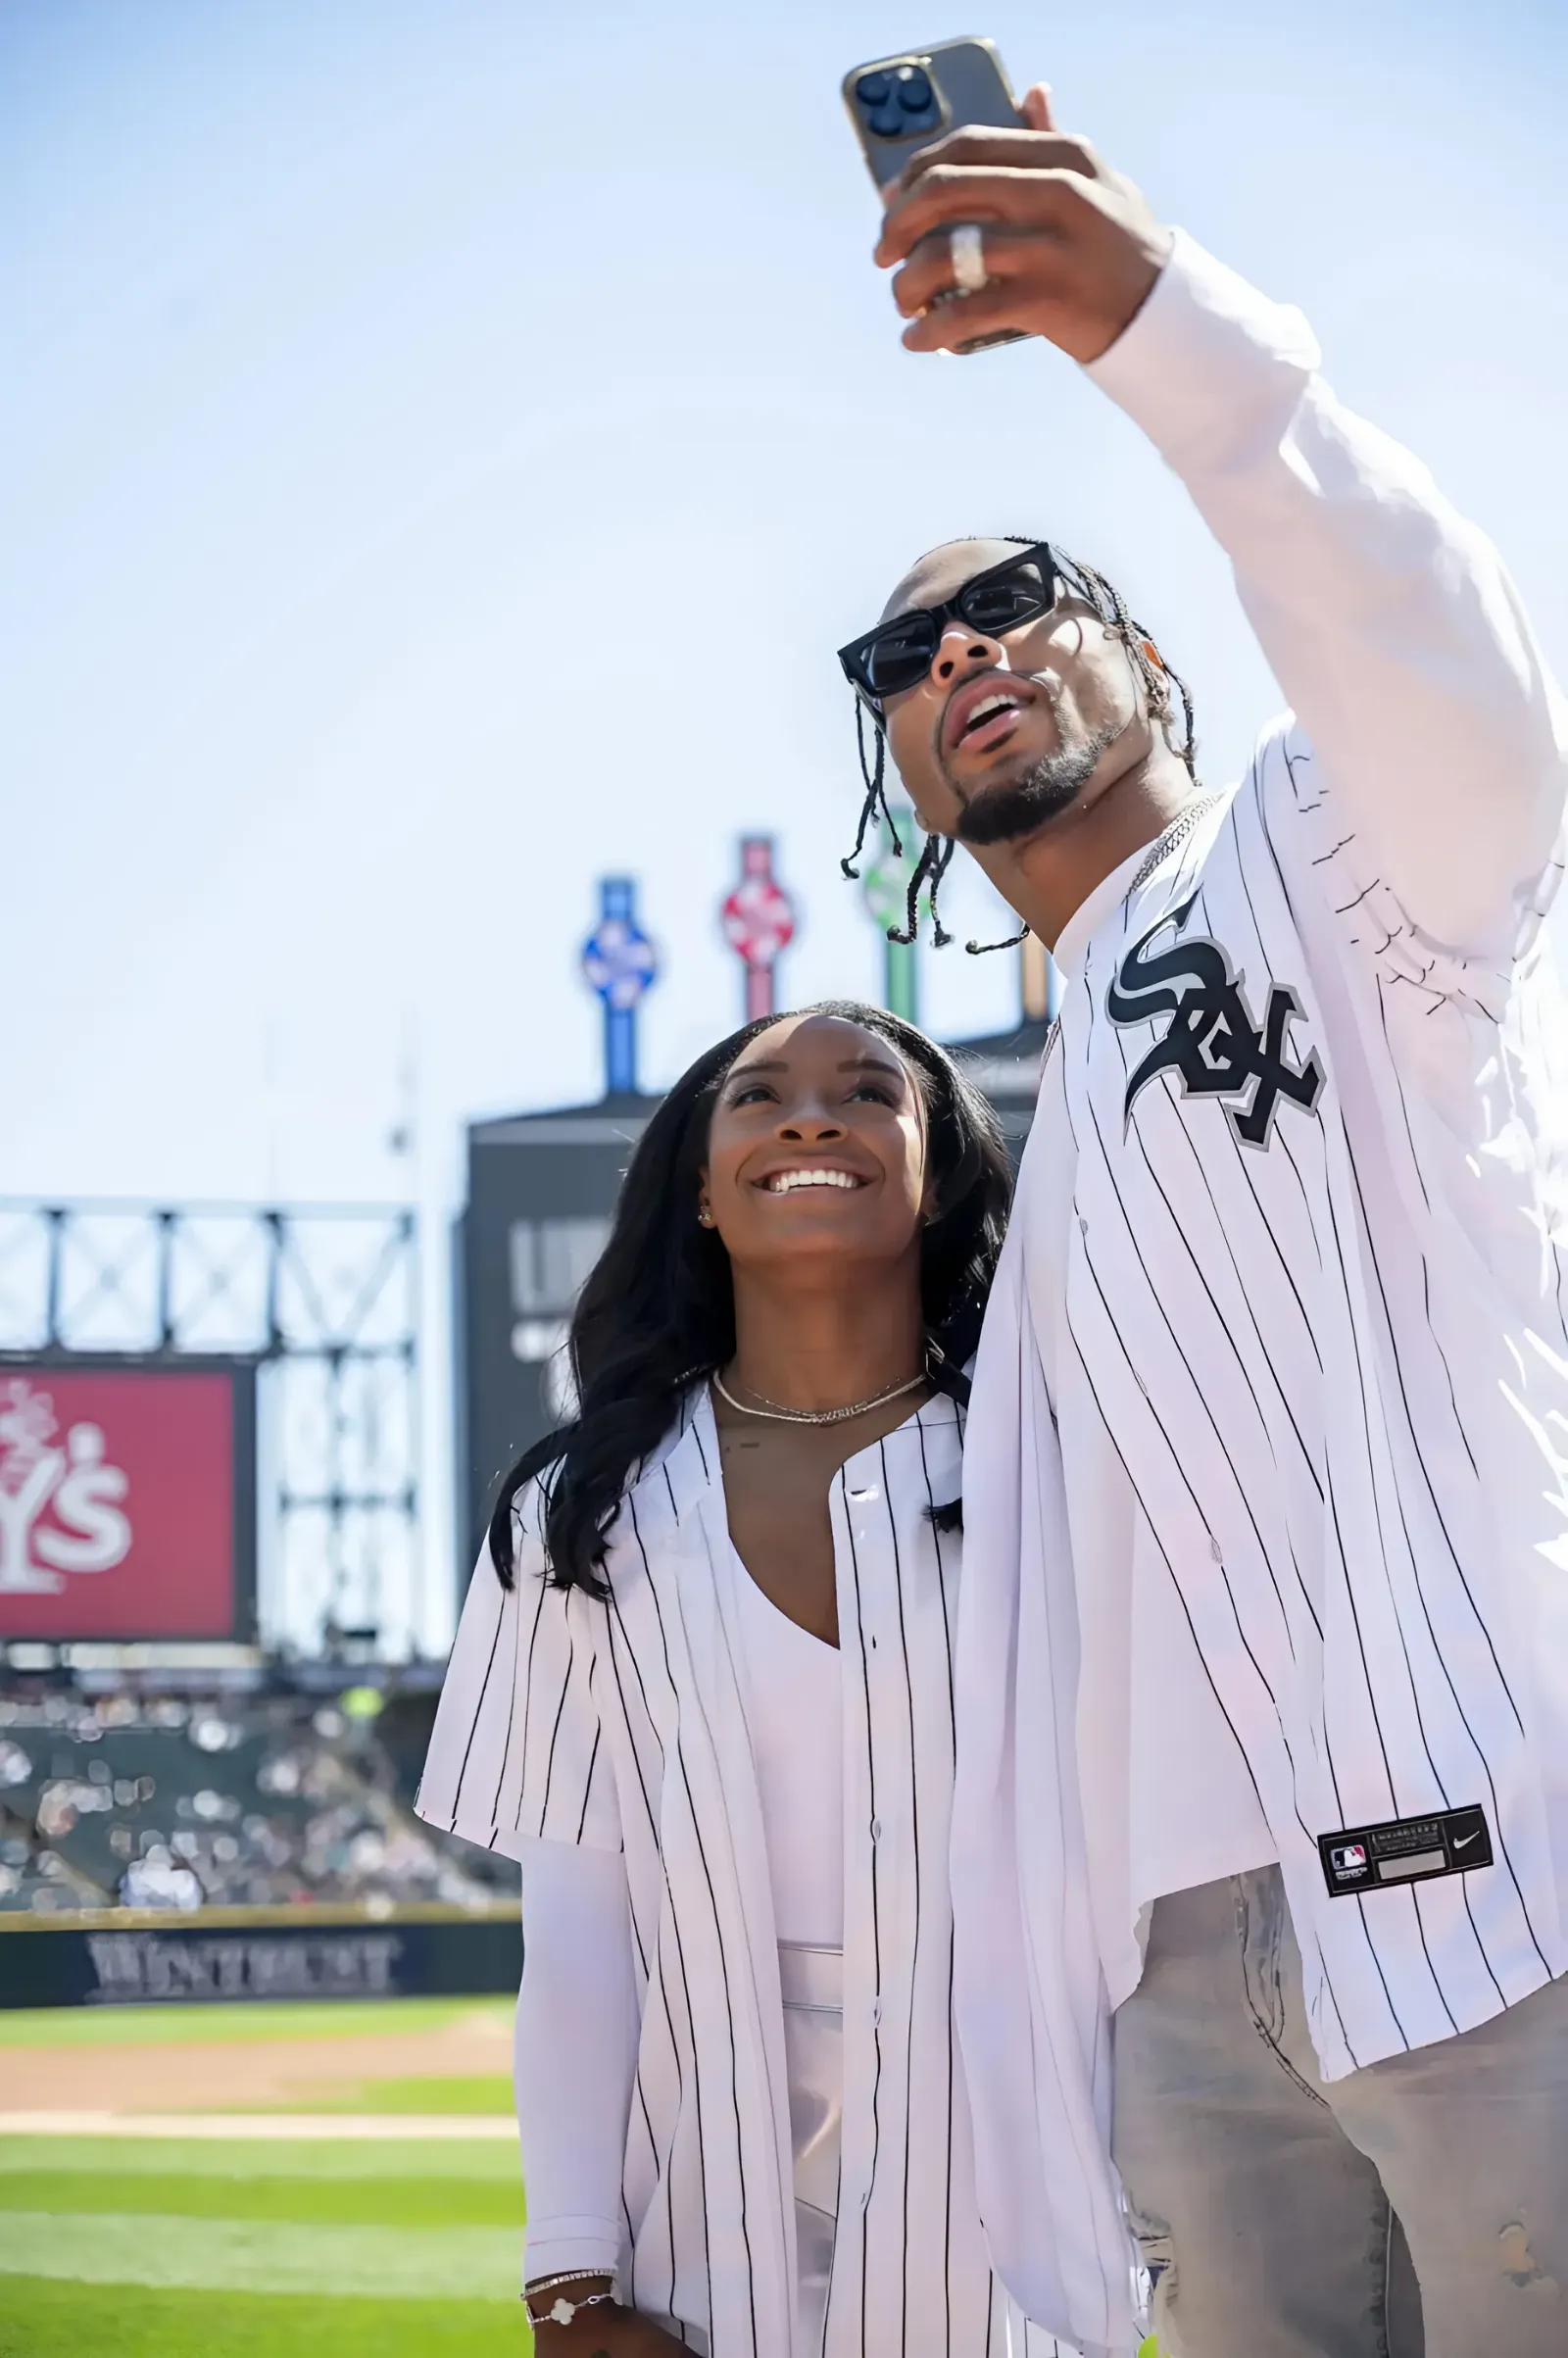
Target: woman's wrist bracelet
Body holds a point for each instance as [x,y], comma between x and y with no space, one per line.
[562,2308]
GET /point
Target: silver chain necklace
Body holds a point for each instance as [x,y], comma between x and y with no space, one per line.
[814,1416]
[1181,826]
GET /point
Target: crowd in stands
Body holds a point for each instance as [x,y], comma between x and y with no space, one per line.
[176,1803]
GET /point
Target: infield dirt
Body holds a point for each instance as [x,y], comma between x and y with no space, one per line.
[202,2074]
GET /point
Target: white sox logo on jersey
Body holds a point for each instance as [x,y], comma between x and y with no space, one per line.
[1211,1042]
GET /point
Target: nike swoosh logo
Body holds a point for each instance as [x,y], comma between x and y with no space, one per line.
[1460,1840]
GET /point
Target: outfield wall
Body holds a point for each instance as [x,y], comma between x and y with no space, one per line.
[228,1956]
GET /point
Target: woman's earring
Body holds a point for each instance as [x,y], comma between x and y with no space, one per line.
[704,1215]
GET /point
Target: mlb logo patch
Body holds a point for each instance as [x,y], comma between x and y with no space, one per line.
[1371,1858]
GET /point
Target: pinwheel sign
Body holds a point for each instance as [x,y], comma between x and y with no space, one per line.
[759,921]
[885,890]
[621,965]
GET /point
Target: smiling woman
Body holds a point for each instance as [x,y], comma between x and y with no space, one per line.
[894,1285]
[704,1695]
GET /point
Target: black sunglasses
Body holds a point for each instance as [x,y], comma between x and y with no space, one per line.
[898,654]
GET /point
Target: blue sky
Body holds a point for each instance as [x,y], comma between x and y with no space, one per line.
[443,444]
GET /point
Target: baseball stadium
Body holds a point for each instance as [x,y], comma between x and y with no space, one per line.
[254,2015]
[324,2178]
[463,751]
[223,2129]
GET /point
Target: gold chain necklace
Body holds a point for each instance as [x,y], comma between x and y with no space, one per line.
[814,1416]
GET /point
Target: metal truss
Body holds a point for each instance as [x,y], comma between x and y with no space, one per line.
[326,1300]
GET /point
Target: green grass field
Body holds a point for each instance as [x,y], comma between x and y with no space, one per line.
[187,2026]
[277,2247]
[220,2247]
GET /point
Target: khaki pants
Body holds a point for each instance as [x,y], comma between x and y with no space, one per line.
[1269,2203]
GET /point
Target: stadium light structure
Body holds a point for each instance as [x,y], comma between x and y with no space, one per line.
[316,1306]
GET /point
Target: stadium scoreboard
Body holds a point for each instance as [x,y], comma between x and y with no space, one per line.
[542,1188]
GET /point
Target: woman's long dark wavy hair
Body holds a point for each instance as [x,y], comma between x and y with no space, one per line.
[658,1311]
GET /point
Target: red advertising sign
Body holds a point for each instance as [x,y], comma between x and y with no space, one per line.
[124,1500]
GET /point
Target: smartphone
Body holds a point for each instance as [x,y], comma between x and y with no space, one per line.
[898,104]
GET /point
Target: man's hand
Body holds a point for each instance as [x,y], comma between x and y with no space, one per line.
[1072,257]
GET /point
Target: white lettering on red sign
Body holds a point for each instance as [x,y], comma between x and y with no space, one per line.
[61,1502]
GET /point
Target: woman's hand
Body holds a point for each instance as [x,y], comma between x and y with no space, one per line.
[1071,249]
[608,2333]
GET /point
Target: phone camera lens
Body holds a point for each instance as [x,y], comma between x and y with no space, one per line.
[915,90]
[888,123]
[872,89]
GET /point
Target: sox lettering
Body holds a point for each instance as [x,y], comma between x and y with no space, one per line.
[1211,1042]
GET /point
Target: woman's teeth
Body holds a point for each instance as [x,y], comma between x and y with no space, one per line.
[782,1182]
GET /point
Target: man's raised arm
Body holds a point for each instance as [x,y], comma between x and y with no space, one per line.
[1390,621]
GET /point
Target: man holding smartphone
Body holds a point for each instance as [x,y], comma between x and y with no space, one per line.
[1262,1836]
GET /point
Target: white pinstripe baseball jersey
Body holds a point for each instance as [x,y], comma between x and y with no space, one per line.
[1282,1307]
[624,1725]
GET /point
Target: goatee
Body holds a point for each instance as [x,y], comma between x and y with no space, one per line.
[1002,813]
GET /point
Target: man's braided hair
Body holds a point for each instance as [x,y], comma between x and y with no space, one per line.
[1156,680]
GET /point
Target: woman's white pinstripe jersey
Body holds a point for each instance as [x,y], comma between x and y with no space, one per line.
[623,1726]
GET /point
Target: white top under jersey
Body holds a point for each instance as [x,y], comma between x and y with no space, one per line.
[793,1690]
[1276,1360]
[622,1727]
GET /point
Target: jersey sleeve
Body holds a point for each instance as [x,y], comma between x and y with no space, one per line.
[1390,620]
[575,2055]
[518,1751]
